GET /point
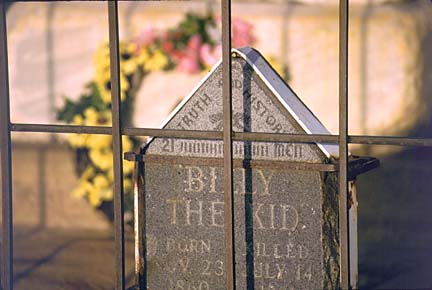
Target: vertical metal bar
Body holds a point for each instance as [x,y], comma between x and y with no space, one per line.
[140,226]
[353,234]
[117,144]
[6,160]
[227,138]
[343,145]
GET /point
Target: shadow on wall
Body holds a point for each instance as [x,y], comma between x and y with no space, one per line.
[395,222]
[395,212]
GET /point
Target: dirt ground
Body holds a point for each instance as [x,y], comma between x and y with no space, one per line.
[67,260]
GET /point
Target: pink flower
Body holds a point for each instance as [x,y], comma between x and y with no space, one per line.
[194,43]
[209,56]
[188,64]
[168,46]
[177,55]
[242,33]
[146,37]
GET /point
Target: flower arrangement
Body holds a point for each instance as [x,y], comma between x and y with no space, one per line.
[192,47]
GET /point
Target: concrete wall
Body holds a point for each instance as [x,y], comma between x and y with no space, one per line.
[43,178]
[51,47]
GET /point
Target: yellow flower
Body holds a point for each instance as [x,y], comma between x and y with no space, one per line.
[127,144]
[105,118]
[128,167]
[91,116]
[101,182]
[102,57]
[143,56]
[77,120]
[83,189]
[107,194]
[110,174]
[157,61]
[101,190]
[128,60]
[99,141]
[101,158]
[77,140]
[104,87]
[124,86]
[88,173]
[94,197]
[128,65]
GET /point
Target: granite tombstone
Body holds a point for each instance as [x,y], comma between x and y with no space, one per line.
[286,217]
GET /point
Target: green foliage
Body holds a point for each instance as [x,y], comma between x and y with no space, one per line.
[91,98]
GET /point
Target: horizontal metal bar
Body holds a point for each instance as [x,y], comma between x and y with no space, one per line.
[216,135]
[45,128]
[389,140]
[237,163]
[169,133]
[276,137]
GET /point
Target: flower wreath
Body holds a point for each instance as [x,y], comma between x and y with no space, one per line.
[192,46]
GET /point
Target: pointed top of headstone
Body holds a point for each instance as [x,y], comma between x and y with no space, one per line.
[298,110]
[262,102]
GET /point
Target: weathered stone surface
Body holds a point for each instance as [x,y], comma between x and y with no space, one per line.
[285,220]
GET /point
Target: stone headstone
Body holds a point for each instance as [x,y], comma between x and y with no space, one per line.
[286,235]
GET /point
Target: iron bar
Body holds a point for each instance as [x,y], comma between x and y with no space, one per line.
[390,140]
[46,128]
[117,144]
[140,226]
[230,266]
[275,137]
[6,160]
[343,144]
[216,135]
[169,133]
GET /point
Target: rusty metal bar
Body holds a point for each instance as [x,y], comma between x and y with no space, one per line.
[169,133]
[216,135]
[390,140]
[46,128]
[117,145]
[274,137]
[343,144]
[140,226]
[230,281]
[6,160]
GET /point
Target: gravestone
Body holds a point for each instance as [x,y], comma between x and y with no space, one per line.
[286,215]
